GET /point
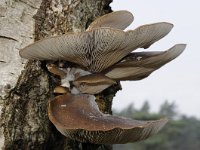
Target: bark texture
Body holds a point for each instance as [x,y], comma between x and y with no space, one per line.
[24,116]
[16,31]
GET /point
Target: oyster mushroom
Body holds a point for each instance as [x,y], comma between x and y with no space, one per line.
[96,49]
[103,56]
[93,83]
[78,118]
[139,65]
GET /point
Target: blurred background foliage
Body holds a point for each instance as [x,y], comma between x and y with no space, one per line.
[180,133]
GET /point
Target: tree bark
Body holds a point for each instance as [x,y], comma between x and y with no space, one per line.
[24,115]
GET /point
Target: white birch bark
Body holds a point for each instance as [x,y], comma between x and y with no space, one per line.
[16,31]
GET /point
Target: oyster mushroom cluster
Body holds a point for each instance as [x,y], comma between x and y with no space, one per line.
[103,55]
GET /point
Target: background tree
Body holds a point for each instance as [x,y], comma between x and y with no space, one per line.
[145,107]
[168,109]
[181,133]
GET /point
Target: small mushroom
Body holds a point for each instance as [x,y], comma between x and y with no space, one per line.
[55,70]
[132,68]
[93,83]
[78,118]
[118,19]
[61,90]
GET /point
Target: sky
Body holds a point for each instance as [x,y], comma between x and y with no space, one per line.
[179,80]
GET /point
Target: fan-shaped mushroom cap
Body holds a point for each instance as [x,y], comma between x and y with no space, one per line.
[118,19]
[139,65]
[93,83]
[97,49]
[81,48]
[144,36]
[78,117]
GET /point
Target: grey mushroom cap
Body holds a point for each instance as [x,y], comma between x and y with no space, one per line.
[98,48]
[118,19]
[139,65]
[78,118]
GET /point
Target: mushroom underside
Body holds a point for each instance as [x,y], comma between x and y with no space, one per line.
[139,65]
[78,117]
[97,49]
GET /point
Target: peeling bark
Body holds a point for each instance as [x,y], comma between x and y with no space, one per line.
[24,116]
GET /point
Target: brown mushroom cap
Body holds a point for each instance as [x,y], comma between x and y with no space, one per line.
[93,83]
[139,65]
[78,117]
[118,19]
[61,90]
[55,70]
[98,48]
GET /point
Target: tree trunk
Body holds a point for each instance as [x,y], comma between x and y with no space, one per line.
[24,115]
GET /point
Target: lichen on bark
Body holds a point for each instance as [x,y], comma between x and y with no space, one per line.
[24,116]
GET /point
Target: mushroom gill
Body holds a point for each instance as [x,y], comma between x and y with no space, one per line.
[98,48]
[139,65]
[78,118]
